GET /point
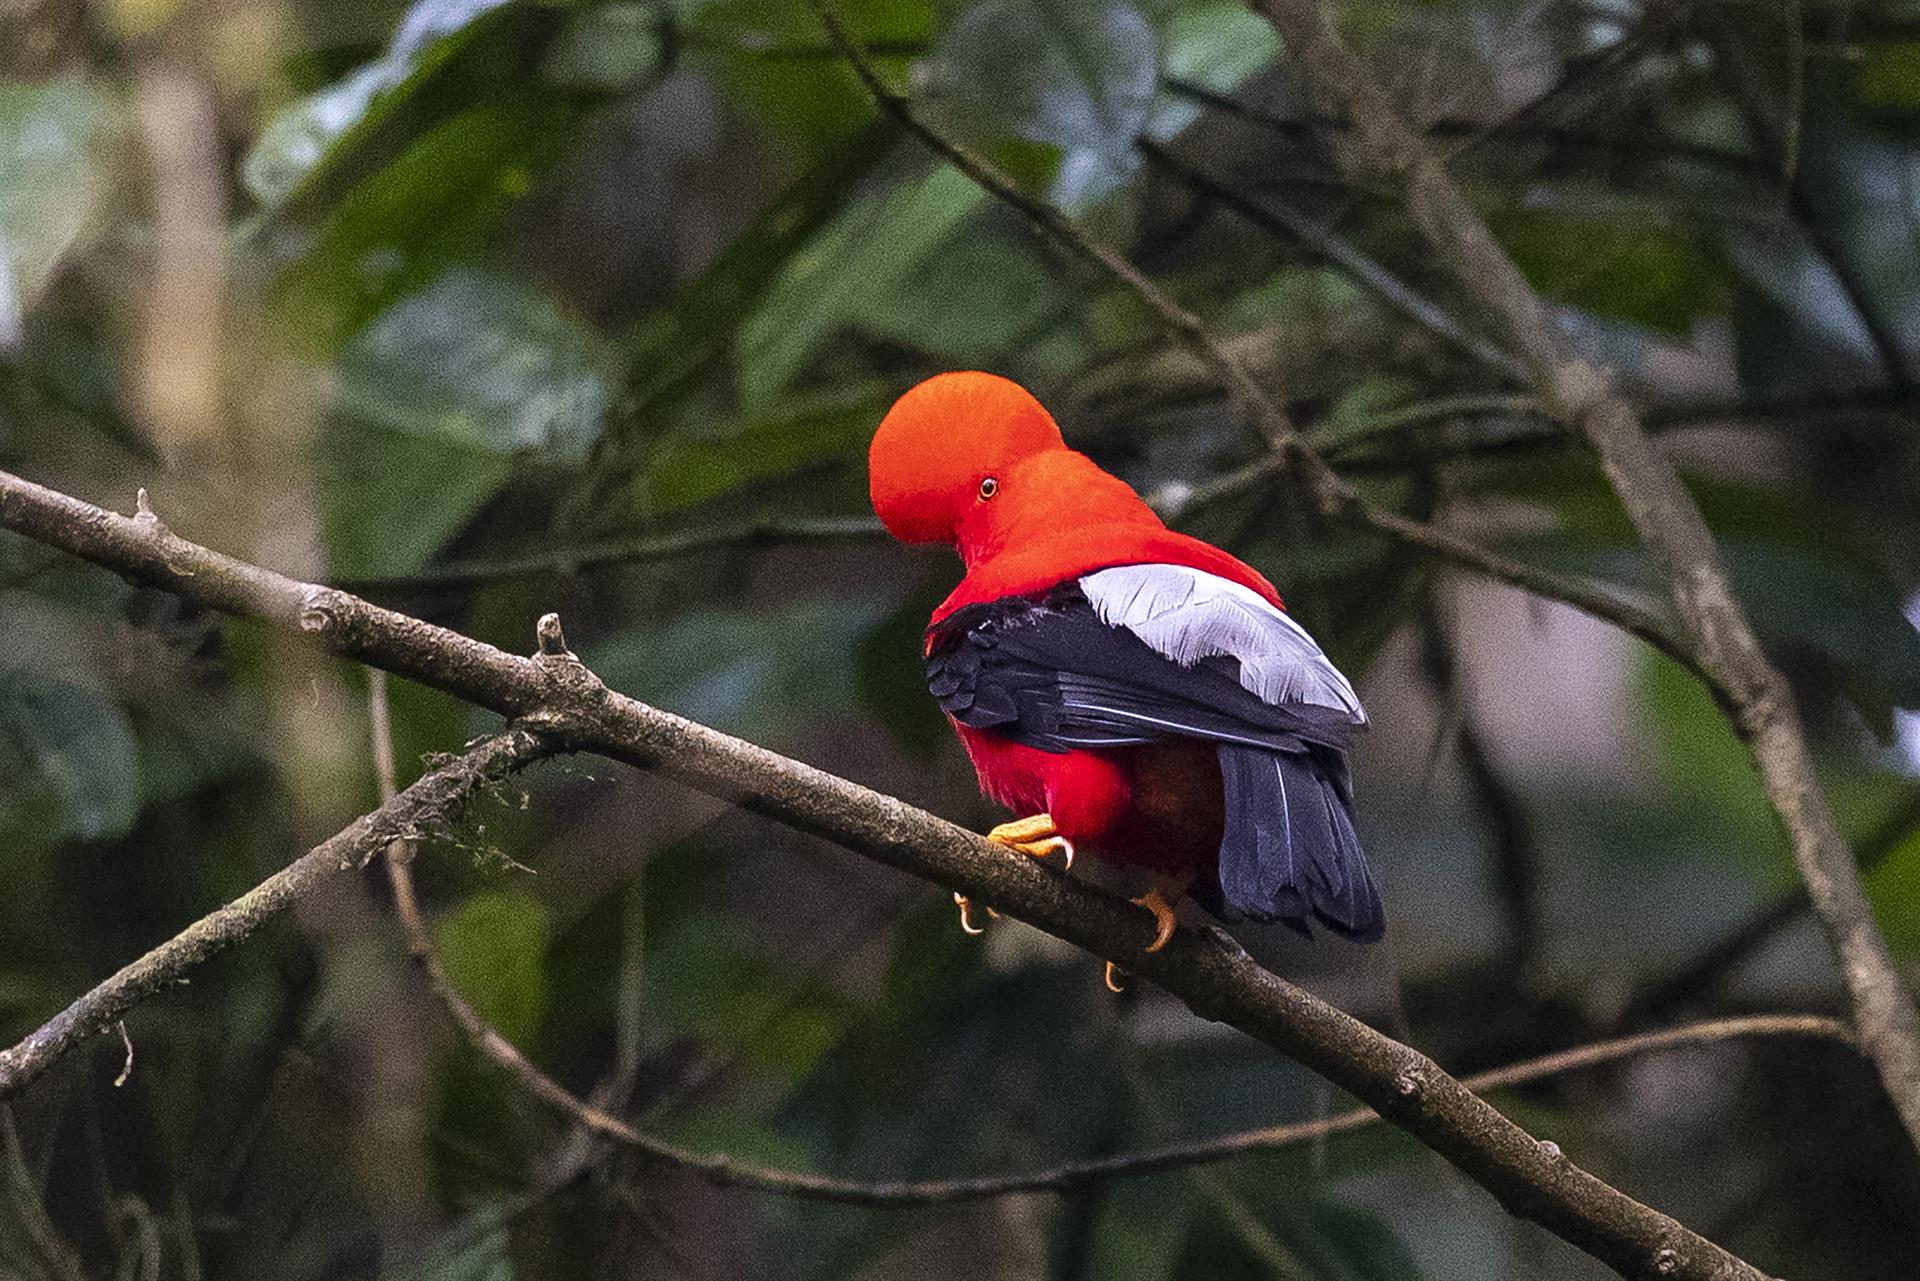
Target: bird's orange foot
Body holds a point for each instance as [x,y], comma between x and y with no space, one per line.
[1116,979]
[1034,836]
[1164,920]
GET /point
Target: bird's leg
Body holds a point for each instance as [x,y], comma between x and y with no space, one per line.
[1035,836]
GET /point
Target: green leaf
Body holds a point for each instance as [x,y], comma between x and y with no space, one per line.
[71,744]
[478,1249]
[754,50]
[1140,1234]
[695,467]
[1083,83]
[1888,75]
[494,947]
[727,1132]
[669,351]
[1216,45]
[1618,264]
[480,358]
[708,981]
[609,48]
[1357,1243]
[297,141]
[1895,889]
[891,682]
[868,250]
[741,671]
[968,305]
[1808,579]
[401,228]
[391,499]
[1849,615]
[53,177]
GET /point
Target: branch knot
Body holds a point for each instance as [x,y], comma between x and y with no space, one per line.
[572,680]
[550,640]
[320,610]
[143,511]
[1578,388]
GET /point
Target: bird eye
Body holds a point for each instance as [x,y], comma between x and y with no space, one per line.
[989,487]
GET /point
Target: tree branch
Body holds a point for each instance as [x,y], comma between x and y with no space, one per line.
[1331,493]
[1279,219]
[555,696]
[1719,638]
[429,803]
[627,551]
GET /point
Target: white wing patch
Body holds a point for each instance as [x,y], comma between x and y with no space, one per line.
[1189,614]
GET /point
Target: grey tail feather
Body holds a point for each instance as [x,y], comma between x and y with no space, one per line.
[1290,852]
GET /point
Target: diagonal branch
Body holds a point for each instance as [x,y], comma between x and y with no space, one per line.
[670,545]
[429,803]
[1718,636]
[555,696]
[1063,1178]
[1331,493]
[1276,217]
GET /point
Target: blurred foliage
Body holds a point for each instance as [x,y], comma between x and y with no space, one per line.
[499,277]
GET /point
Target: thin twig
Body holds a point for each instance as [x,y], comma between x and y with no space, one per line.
[428,804]
[1276,217]
[1719,638]
[1329,491]
[627,551]
[1476,132]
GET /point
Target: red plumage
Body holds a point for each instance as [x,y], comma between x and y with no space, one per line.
[974,461]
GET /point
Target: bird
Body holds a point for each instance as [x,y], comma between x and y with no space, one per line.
[1125,688]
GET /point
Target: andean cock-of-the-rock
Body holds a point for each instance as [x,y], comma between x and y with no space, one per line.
[1132,691]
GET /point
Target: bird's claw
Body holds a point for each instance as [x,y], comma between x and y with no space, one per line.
[1047,849]
[1165,919]
[1114,977]
[965,905]
[1035,837]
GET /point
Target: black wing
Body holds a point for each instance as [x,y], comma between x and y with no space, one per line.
[1051,674]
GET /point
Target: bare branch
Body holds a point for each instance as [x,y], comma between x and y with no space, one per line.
[1719,638]
[553,694]
[627,551]
[1276,217]
[427,804]
[1292,455]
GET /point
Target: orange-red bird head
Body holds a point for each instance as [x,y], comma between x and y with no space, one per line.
[973,460]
